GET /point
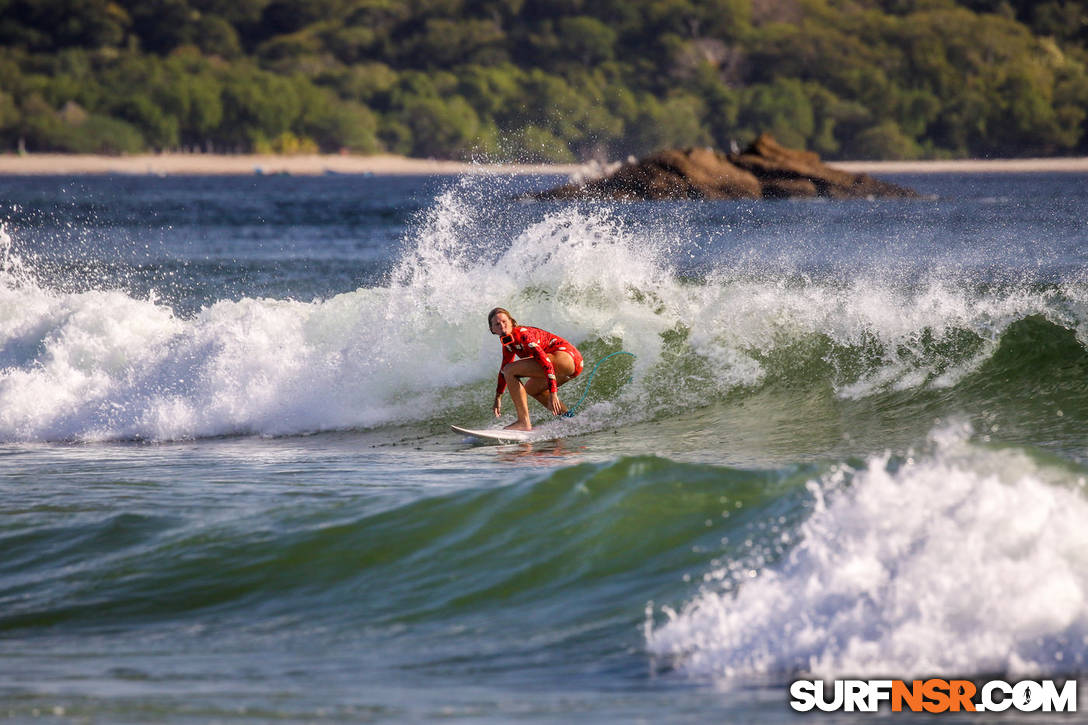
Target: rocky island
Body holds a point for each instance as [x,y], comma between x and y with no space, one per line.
[764,170]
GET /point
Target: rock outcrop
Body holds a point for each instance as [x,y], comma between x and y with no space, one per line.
[764,170]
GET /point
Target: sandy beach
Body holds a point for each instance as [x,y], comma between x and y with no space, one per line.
[967,166]
[169,164]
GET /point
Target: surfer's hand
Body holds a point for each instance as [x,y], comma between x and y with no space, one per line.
[498,406]
[557,407]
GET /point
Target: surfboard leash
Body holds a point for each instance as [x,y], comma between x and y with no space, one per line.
[589,381]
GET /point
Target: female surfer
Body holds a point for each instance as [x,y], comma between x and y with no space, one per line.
[548,362]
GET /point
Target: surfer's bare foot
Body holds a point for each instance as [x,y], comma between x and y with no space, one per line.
[517,425]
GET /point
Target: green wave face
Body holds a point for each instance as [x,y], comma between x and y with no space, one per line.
[705,571]
[601,533]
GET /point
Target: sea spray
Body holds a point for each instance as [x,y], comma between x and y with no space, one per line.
[413,349]
[960,559]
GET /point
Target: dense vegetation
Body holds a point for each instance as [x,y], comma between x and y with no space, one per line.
[545,79]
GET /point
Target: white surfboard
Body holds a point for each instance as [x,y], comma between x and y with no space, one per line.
[545,432]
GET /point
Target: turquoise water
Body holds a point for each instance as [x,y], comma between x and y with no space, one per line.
[853,444]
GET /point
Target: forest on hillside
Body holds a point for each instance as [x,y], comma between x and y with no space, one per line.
[545,80]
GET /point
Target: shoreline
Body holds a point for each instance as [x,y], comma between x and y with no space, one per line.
[177,164]
[1064,164]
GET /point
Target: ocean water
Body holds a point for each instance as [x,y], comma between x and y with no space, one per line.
[853,442]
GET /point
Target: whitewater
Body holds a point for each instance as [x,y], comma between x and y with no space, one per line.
[852,441]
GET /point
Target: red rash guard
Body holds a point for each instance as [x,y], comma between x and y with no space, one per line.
[537,343]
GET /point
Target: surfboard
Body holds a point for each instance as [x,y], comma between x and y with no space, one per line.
[545,432]
[496,434]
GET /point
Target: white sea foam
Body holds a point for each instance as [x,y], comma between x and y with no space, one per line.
[965,560]
[101,364]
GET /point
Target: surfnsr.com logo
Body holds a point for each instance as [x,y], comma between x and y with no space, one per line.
[933,695]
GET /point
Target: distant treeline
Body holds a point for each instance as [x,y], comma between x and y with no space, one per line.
[548,80]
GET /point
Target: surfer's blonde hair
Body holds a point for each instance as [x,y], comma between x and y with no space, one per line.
[500,310]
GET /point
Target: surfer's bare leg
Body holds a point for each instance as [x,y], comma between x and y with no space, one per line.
[538,383]
[538,389]
[521,401]
[563,365]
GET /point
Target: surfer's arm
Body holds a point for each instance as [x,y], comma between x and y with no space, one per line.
[507,358]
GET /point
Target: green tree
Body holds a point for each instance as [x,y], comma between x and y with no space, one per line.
[351,44]
[50,25]
[585,40]
[441,128]
[9,119]
[43,129]
[674,122]
[539,145]
[444,42]
[548,79]
[159,129]
[215,36]
[494,91]
[781,108]
[163,25]
[334,124]
[882,141]
[256,104]
[192,93]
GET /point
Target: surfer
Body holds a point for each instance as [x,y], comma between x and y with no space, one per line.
[547,362]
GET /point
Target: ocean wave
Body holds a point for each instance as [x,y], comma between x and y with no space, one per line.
[961,559]
[103,364]
[599,534]
[958,558]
